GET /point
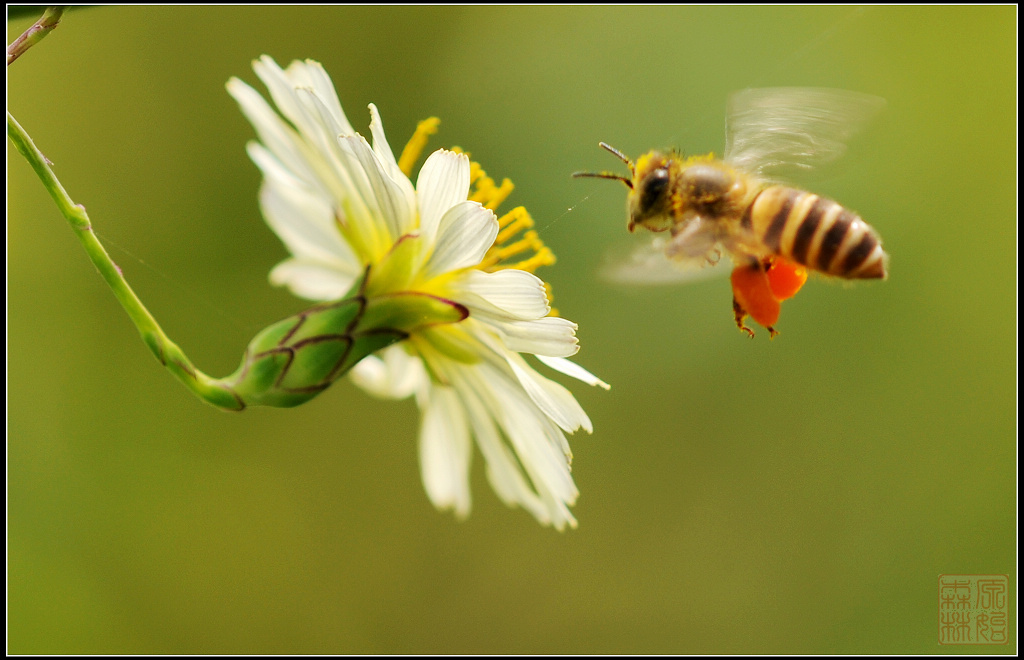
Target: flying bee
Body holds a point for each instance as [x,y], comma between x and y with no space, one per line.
[738,206]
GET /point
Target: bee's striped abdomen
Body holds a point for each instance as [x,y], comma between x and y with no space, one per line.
[815,232]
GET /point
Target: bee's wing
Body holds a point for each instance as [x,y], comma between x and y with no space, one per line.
[646,264]
[778,130]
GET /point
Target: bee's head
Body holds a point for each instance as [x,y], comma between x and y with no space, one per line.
[650,200]
[650,191]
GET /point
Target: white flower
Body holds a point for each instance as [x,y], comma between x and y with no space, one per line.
[344,208]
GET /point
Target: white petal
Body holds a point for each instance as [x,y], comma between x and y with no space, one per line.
[279,138]
[503,469]
[311,280]
[349,185]
[285,155]
[445,451]
[465,233]
[387,204]
[550,335]
[541,447]
[284,92]
[560,513]
[313,153]
[493,399]
[324,128]
[570,368]
[304,221]
[556,401]
[511,295]
[398,177]
[311,74]
[443,182]
[272,168]
[384,153]
[336,160]
[390,374]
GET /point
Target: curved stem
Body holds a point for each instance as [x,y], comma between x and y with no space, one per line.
[209,389]
[35,34]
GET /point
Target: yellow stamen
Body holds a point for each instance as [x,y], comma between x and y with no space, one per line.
[499,252]
[544,257]
[490,195]
[484,191]
[414,147]
[475,171]
[512,223]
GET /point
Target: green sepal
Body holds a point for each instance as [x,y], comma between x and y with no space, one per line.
[394,272]
[297,358]
[409,311]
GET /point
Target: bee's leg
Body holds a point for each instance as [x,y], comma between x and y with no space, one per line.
[740,314]
[784,279]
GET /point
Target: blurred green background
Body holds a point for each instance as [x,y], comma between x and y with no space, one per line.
[795,496]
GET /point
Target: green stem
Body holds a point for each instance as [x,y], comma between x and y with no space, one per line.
[167,352]
[35,34]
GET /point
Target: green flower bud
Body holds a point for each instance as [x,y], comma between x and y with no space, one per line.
[293,360]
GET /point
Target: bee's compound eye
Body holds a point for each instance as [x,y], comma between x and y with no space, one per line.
[653,189]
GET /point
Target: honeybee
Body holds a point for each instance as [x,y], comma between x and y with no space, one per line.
[774,233]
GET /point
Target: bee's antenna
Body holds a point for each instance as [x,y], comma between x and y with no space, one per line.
[610,175]
[604,175]
[618,154]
